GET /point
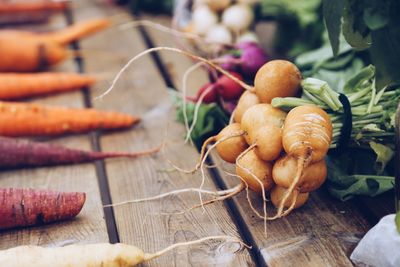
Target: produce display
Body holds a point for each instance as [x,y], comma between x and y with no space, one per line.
[317,112]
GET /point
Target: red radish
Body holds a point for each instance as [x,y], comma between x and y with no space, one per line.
[26,207]
[23,153]
[210,97]
[229,62]
[228,88]
[245,45]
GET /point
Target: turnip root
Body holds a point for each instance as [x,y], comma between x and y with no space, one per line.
[277,78]
[313,177]
[238,17]
[247,100]
[90,255]
[268,140]
[258,116]
[307,134]
[294,201]
[250,166]
[229,149]
[219,34]
[248,36]
[204,19]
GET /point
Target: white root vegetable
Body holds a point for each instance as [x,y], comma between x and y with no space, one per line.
[238,17]
[91,255]
[219,34]
[204,19]
[248,36]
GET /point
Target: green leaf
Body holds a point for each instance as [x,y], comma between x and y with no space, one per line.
[383,155]
[333,10]
[385,54]
[346,187]
[376,18]
[397,221]
[210,120]
[354,30]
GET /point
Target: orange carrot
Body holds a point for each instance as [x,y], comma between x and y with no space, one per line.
[29,6]
[28,51]
[25,119]
[28,54]
[76,31]
[21,85]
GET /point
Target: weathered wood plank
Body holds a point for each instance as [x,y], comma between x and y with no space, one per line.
[323,233]
[89,226]
[142,91]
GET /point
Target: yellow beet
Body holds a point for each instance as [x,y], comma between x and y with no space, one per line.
[231,148]
[313,177]
[277,194]
[277,78]
[258,116]
[247,100]
[261,169]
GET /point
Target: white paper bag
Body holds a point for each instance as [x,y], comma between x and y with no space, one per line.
[380,247]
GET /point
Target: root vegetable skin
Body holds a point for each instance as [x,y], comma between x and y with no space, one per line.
[258,116]
[313,177]
[228,88]
[238,17]
[231,148]
[277,78]
[24,119]
[28,54]
[268,140]
[247,100]
[102,254]
[21,85]
[307,132]
[261,169]
[23,153]
[26,207]
[277,194]
[90,255]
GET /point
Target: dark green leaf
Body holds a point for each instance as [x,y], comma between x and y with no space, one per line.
[376,18]
[354,29]
[333,10]
[385,54]
[397,221]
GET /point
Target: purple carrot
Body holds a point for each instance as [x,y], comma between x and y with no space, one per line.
[26,207]
[23,153]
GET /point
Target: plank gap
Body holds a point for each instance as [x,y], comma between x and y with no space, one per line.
[94,137]
[156,58]
[216,179]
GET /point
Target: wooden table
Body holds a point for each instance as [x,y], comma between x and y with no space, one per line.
[322,233]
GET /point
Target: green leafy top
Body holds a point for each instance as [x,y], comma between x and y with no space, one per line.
[368,25]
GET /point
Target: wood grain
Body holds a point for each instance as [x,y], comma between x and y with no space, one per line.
[89,226]
[142,91]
